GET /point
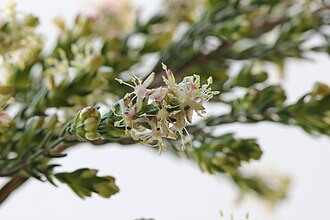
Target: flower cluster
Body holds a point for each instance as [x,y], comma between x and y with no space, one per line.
[150,115]
[86,123]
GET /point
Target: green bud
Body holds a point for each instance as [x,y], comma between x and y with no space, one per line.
[39,121]
[60,23]
[31,21]
[50,82]
[95,61]
[84,113]
[51,122]
[320,89]
[91,124]
[86,123]
[92,136]
[7,128]
[261,77]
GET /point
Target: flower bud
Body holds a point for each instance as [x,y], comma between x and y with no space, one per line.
[7,127]
[86,124]
[51,122]
[92,136]
[91,123]
[320,89]
[94,62]
[31,21]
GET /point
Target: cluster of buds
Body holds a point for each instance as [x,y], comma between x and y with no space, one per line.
[86,123]
[150,115]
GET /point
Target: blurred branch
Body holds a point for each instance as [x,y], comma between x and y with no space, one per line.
[16,182]
[183,64]
[12,185]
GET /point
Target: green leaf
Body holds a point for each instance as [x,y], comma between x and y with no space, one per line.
[247,77]
[85,181]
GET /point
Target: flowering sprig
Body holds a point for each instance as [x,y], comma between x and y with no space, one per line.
[152,115]
[39,90]
[148,115]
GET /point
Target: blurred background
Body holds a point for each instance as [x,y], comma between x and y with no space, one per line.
[163,188]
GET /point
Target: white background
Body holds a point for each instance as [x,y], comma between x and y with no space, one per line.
[164,188]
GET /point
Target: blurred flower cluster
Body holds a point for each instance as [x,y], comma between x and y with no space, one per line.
[113,18]
[108,19]
[20,44]
[73,78]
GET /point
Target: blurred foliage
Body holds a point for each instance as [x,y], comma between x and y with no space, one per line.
[52,100]
[85,181]
[223,153]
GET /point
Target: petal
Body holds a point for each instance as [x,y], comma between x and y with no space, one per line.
[149,80]
[189,114]
[169,75]
[139,104]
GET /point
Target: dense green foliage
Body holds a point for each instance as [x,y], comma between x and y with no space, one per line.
[53,100]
